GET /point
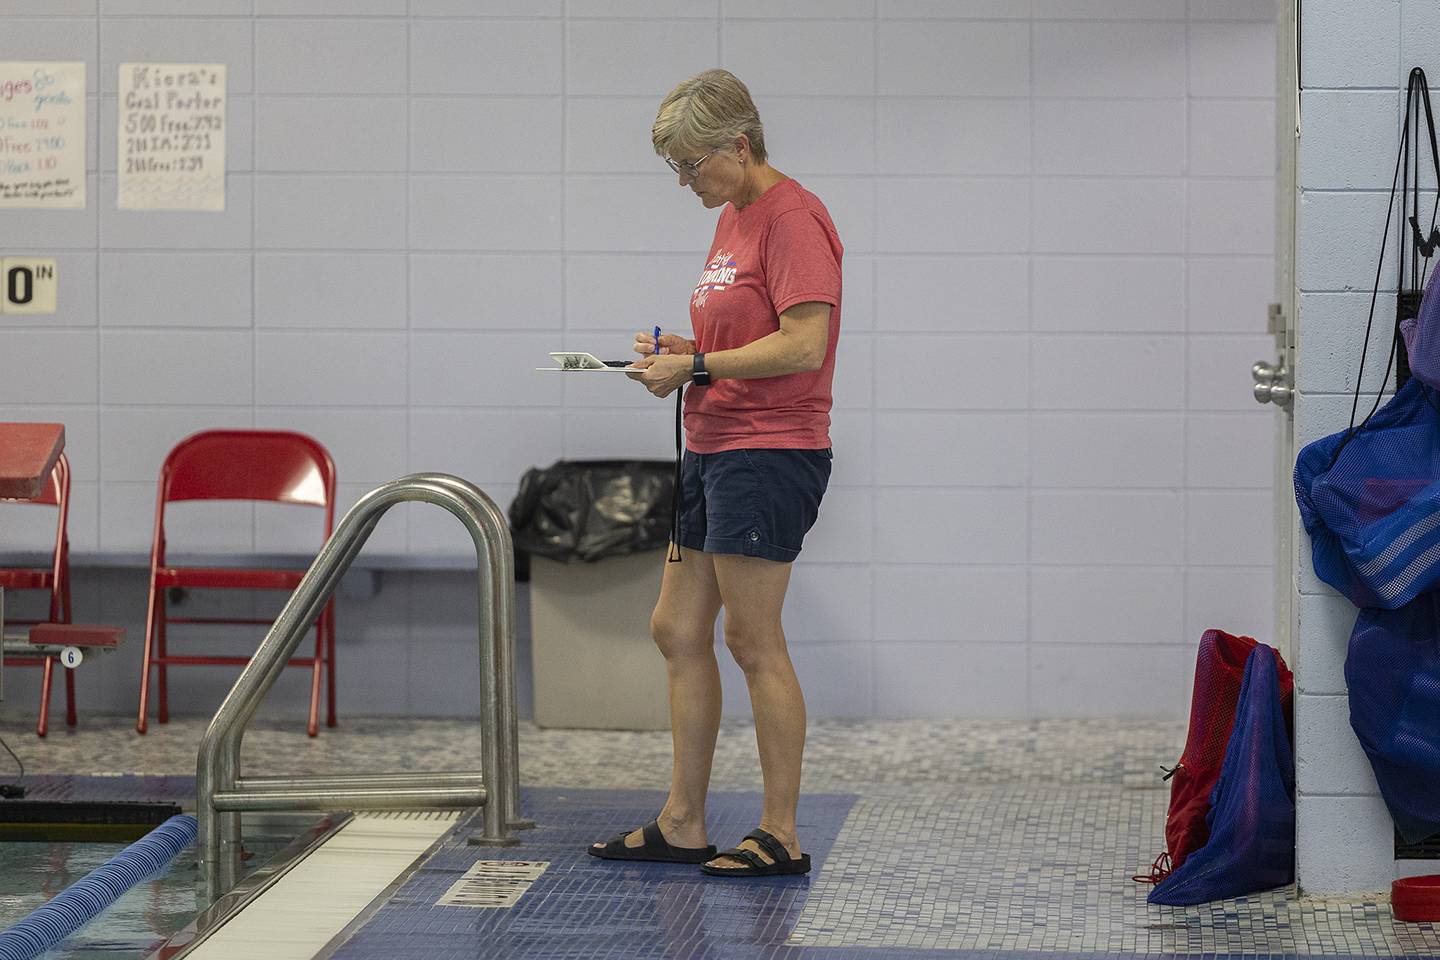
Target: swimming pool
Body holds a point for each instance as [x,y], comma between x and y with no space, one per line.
[148,913]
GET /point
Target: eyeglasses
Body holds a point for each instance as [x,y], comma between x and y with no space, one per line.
[686,167]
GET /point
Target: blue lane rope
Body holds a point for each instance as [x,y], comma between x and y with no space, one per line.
[87,897]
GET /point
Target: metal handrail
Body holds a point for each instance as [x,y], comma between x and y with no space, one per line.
[221,792]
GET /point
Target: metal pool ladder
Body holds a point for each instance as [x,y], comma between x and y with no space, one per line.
[222,794]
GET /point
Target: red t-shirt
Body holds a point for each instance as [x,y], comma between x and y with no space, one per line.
[780,250]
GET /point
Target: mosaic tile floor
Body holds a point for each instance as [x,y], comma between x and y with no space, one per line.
[960,839]
[585,907]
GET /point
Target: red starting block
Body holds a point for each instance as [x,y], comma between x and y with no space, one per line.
[62,635]
[65,642]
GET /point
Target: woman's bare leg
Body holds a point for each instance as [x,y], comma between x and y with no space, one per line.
[683,626]
[753,593]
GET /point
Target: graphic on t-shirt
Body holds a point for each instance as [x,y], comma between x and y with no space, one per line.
[719,273]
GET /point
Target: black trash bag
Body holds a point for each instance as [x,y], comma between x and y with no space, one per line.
[586,510]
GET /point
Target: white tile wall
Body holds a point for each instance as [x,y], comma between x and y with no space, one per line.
[485,291]
[134,440]
[1355,57]
[1057,222]
[307,369]
[1109,216]
[456,135]
[331,134]
[1229,216]
[1231,60]
[1077,605]
[231,229]
[952,215]
[362,290]
[1109,137]
[1109,59]
[652,52]
[1108,294]
[918,294]
[1127,372]
[944,58]
[943,603]
[187,40]
[1221,292]
[1232,138]
[1090,450]
[177,367]
[924,135]
[329,56]
[919,678]
[1067,681]
[202,289]
[314,212]
[1230,597]
[1106,527]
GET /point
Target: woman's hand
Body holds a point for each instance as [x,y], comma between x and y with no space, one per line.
[669,343]
[662,375]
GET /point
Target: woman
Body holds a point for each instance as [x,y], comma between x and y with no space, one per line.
[766,316]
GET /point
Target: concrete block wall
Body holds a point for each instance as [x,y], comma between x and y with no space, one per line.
[1355,57]
[1050,476]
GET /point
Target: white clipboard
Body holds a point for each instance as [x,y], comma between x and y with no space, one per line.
[574,362]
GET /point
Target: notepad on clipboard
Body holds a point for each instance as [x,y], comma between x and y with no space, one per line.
[573,362]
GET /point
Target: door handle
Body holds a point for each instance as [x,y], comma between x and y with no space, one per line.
[1272,384]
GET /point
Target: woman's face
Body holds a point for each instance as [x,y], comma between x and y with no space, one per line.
[716,176]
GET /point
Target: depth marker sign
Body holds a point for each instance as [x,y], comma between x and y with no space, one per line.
[27,285]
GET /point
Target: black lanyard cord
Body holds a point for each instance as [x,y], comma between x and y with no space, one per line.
[674,555]
[1420,248]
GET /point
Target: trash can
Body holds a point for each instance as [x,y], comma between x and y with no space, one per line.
[595,532]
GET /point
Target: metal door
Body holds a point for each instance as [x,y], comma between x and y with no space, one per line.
[1275,379]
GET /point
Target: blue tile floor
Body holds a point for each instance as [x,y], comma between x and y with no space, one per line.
[582,906]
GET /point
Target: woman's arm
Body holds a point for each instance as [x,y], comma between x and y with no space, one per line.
[798,346]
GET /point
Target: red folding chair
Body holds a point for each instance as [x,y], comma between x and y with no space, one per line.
[258,465]
[55,579]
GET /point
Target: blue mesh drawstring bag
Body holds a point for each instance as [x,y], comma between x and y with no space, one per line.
[1393,673]
[1252,810]
[1370,500]
[1422,335]
[1369,496]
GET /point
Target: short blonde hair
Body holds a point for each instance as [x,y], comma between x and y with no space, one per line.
[707,112]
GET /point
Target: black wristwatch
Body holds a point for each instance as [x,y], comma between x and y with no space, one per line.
[698,374]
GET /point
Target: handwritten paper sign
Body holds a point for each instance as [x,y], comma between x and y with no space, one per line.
[42,134]
[172,136]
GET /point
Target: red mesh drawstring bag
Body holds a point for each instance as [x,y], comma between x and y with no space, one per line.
[1219,670]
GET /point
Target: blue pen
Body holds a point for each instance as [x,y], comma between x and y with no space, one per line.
[657,339]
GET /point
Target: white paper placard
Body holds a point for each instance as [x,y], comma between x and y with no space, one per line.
[172,136]
[42,134]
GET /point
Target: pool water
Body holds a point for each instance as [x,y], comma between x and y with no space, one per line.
[147,914]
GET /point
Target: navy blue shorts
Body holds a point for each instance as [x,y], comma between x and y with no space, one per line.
[756,503]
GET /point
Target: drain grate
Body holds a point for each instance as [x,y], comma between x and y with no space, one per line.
[1427,849]
[493,883]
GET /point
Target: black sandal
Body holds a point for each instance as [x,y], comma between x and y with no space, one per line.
[655,849]
[783,865]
